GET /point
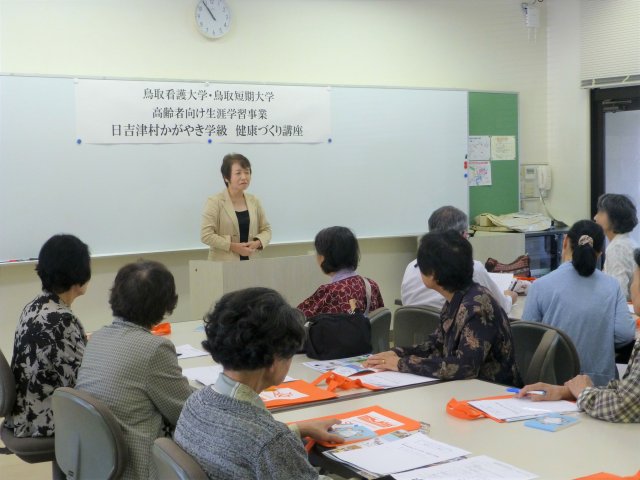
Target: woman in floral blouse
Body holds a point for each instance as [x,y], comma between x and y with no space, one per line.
[49,340]
[474,338]
[338,256]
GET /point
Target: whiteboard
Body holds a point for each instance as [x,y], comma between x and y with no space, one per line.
[395,155]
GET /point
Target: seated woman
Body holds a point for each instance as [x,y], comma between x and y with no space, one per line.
[473,339]
[49,340]
[619,401]
[584,303]
[254,334]
[338,256]
[135,373]
[618,217]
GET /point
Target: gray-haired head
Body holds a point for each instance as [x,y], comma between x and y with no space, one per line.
[448,218]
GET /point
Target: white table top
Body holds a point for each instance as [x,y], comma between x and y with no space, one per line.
[589,447]
[185,333]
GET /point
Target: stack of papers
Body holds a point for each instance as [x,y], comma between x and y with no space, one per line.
[389,379]
[408,453]
[475,468]
[348,367]
[514,409]
[354,363]
[187,351]
[504,281]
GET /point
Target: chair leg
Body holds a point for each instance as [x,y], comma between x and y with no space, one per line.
[56,472]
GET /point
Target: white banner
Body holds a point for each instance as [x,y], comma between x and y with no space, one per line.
[117,111]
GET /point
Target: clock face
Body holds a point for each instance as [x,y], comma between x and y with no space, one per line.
[213,18]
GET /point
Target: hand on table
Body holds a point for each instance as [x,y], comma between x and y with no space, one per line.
[552,392]
[383,360]
[319,430]
[577,384]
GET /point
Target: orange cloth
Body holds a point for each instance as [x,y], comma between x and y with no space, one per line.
[609,476]
[163,328]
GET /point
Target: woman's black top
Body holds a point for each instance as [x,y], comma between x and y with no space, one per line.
[243,223]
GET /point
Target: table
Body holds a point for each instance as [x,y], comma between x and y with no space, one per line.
[589,447]
[187,333]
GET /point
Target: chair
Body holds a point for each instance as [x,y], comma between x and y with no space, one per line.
[413,324]
[544,353]
[173,463]
[89,439]
[28,449]
[380,320]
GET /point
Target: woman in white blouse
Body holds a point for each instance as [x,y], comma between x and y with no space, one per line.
[618,217]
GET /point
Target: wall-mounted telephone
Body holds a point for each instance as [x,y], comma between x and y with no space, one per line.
[535,181]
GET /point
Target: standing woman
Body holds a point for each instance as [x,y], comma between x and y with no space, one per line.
[618,217]
[50,340]
[234,224]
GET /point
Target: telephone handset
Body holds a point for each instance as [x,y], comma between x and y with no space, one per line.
[536,181]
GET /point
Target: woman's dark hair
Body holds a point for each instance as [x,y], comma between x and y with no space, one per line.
[248,329]
[448,256]
[339,247]
[621,211]
[586,238]
[143,293]
[229,160]
[63,261]
[636,256]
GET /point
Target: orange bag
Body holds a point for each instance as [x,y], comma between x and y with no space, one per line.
[163,328]
[335,381]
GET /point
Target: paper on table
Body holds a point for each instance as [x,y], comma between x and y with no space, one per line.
[408,453]
[187,351]
[503,280]
[513,409]
[389,379]
[209,374]
[328,365]
[205,375]
[281,394]
[474,468]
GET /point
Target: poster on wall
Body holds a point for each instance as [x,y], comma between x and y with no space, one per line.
[479,147]
[124,111]
[479,174]
[503,147]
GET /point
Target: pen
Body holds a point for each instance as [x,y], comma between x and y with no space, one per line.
[531,392]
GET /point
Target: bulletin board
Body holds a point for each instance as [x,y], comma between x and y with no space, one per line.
[495,114]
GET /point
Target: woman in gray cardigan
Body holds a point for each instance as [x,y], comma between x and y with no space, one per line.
[254,334]
[133,372]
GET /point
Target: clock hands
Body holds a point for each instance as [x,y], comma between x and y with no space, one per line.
[209,10]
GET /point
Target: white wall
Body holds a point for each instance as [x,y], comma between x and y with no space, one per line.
[462,44]
[567,123]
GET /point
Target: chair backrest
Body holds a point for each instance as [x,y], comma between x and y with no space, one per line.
[544,353]
[7,387]
[413,324]
[380,320]
[89,440]
[173,463]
